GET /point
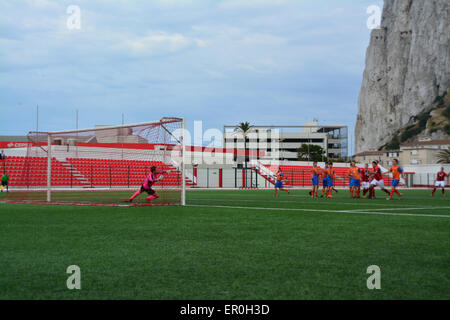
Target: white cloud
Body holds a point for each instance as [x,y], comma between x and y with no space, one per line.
[174,3]
[263,40]
[241,4]
[160,43]
[186,56]
[216,74]
[43,4]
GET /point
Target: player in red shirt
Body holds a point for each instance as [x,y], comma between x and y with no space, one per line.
[365,178]
[440,182]
[376,180]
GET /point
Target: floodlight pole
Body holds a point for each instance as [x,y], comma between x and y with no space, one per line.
[49,167]
[183,156]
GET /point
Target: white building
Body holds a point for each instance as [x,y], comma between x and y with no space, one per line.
[423,152]
[282,142]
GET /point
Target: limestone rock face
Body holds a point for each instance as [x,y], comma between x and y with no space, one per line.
[407,67]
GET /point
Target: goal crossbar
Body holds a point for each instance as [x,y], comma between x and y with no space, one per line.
[161,122]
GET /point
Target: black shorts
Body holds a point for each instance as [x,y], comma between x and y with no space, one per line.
[4,183]
[150,191]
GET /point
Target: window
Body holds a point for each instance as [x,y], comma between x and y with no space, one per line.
[304,140]
[392,154]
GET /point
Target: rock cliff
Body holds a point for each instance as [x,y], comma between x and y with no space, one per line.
[407,69]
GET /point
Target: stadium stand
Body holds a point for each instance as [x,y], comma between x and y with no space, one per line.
[84,172]
[21,175]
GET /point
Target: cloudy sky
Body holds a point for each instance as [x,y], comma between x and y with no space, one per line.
[263,61]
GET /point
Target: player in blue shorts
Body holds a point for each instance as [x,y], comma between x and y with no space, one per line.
[396,171]
[330,180]
[354,173]
[324,175]
[315,175]
[279,183]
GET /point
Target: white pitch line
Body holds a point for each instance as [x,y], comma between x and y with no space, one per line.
[357,204]
[315,203]
[242,200]
[325,211]
[393,209]
[398,207]
[401,214]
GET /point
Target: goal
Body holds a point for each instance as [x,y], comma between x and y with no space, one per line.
[104,165]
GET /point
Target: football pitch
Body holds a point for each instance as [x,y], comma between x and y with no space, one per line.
[230,245]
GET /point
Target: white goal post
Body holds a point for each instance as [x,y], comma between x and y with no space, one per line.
[107,158]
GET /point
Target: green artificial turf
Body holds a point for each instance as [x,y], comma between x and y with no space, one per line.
[168,196]
[230,245]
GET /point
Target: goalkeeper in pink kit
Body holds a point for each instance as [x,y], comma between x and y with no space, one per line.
[151,179]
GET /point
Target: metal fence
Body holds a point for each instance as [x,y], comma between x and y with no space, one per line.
[425,180]
[228,178]
[248,178]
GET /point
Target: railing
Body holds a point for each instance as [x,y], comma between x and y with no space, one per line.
[189,175]
[263,169]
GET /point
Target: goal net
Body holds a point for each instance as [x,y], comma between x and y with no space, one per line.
[104,165]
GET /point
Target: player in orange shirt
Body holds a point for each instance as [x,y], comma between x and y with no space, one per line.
[279,183]
[355,180]
[328,179]
[333,177]
[324,176]
[396,172]
[315,174]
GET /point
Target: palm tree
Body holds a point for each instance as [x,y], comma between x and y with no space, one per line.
[444,156]
[244,127]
